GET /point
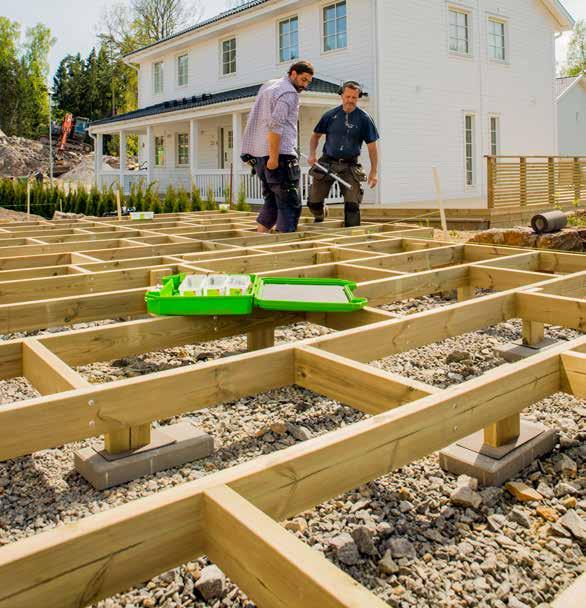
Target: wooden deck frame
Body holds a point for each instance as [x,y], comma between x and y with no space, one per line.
[111,551]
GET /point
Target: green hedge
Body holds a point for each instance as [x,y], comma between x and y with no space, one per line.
[46,199]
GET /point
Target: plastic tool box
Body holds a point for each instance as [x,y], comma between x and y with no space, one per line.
[238,294]
[169,301]
[309,295]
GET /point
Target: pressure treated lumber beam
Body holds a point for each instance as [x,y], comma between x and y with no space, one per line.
[368,389]
[58,419]
[574,373]
[391,337]
[502,279]
[81,563]
[41,314]
[385,291]
[551,309]
[144,335]
[270,564]
[46,372]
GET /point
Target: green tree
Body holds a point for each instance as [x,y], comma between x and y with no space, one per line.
[576,61]
[9,75]
[33,116]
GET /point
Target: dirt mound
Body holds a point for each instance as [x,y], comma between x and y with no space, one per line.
[20,156]
[17,216]
[84,173]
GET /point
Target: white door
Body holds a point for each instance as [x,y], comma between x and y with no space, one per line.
[225,146]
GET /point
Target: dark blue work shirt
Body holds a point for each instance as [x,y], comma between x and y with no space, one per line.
[346,132]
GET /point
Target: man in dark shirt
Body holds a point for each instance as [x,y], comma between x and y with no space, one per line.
[346,127]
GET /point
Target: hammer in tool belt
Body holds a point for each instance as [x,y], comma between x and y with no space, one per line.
[328,172]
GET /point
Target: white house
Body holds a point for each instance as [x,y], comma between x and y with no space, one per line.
[446,81]
[571,109]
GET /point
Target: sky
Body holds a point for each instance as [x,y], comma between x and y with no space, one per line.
[74,22]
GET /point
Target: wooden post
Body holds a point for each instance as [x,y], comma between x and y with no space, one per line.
[577,181]
[533,332]
[118,207]
[523,181]
[28,200]
[465,293]
[502,432]
[440,202]
[263,337]
[507,430]
[551,180]
[490,180]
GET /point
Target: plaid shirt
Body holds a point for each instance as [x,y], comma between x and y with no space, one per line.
[276,109]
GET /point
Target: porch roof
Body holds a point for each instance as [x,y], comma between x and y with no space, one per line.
[318,85]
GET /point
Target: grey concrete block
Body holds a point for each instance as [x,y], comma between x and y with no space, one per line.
[172,446]
[517,351]
[489,471]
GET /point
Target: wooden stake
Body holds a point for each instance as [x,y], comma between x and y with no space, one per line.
[118,207]
[28,200]
[440,203]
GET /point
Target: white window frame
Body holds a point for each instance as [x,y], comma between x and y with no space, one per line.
[322,10]
[497,120]
[467,11]
[155,90]
[157,163]
[178,56]
[472,170]
[177,155]
[222,42]
[279,22]
[501,21]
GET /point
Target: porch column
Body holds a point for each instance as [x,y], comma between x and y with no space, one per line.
[236,143]
[150,160]
[122,158]
[98,157]
[193,149]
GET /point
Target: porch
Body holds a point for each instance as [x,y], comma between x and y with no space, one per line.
[200,148]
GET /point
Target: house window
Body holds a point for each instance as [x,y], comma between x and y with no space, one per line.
[158,77]
[289,39]
[230,139]
[159,151]
[494,135]
[496,40]
[459,31]
[335,26]
[469,148]
[182,70]
[229,56]
[183,149]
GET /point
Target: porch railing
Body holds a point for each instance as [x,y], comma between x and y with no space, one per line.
[529,180]
[218,180]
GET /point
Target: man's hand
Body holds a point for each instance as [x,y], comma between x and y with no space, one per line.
[311,160]
[372,179]
[272,163]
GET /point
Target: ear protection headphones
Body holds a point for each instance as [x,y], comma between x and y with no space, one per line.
[352,82]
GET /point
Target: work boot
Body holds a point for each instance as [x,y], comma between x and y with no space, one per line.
[319,211]
[351,215]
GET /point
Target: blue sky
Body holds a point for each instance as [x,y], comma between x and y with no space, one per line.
[73,22]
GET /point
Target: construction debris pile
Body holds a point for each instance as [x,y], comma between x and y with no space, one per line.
[20,157]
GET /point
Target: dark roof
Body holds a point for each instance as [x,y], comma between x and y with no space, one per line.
[219,17]
[206,99]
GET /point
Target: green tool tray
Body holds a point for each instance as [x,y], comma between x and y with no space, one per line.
[168,301]
[347,302]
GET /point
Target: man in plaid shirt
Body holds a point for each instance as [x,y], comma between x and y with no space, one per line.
[269,142]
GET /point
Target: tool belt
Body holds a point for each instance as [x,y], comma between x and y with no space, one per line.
[353,160]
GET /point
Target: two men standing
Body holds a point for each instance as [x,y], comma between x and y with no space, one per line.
[269,146]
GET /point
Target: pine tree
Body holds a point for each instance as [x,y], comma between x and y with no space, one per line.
[169,201]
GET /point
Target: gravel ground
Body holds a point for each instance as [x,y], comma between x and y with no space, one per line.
[402,536]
